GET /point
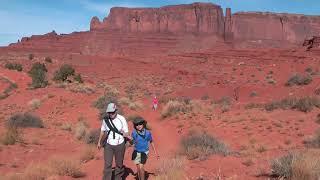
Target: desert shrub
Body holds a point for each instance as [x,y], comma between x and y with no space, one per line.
[170,169]
[196,145]
[11,136]
[48,59]
[299,80]
[30,56]
[66,167]
[282,167]
[66,126]
[81,129]
[124,101]
[78,78]
[253,94]
[110,96]
[253,105]
[34,103]
[14,66]
[38,74]
[318,119]
[78,88]
[135,105]
[24,120]
[308,70]
[313,142]
[304,104]
[224,103]
[92,136]
[63,73]
[171,108]
[205,97]
[87,154]
[317,91]
[180,105]
[298,166]
[55,166]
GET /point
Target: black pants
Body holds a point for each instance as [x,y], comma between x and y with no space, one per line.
[118,152]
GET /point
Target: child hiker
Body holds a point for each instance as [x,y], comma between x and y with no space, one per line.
[154,103]
[141,138]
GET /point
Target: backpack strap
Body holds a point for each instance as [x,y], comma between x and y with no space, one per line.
[111,127]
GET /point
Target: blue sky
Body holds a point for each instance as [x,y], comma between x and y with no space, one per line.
[19,18]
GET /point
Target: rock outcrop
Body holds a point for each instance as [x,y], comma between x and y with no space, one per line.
[205,18]
[179,28]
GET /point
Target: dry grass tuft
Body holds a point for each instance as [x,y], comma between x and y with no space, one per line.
[170,169]
[298,166]
[202,145]
[81,129]
[66,167]
[88,154]
[11,136]
[34,103]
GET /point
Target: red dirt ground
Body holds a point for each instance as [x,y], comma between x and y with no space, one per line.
[212,73]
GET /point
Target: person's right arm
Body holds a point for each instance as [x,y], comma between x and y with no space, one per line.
[102,134]
[101,138]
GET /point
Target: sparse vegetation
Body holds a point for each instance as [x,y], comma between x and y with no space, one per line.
[48,59]
[93,136]
[299,80]
[304,104]
[38,74]
[30,56]
[55,166]
[170,169]
[200,146]
[177,106]
[110,95]
[24,120]
[11,136]
[313,142]
[87,154]
[81,129]
[63,73]
[298,166]
[66,167]
[224,103]
[34,103]
[14,66]
[78,78]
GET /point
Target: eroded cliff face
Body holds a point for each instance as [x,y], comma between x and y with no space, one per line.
[169,29]
[292,28]
[192,18]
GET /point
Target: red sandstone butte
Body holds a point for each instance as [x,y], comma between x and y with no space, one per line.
[178,28]
[190,18]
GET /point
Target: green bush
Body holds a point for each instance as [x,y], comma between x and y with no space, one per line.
[30,56]
[64,72]
[48,59]
[14,66]
[78,78]
[38,74]
[24,120]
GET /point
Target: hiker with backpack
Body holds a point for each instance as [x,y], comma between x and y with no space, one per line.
[141,138]
[114,130]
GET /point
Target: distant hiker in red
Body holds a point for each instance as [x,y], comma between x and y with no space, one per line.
[155,103]
[114,130]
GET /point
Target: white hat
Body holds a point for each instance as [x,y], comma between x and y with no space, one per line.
[111,107]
